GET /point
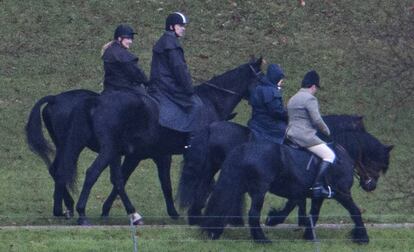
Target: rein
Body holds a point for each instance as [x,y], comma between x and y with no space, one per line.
[222,89]
[228,90]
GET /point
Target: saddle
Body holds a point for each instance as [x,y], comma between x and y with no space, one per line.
[292,152]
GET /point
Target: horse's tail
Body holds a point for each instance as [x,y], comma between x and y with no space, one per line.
[226,201]
[34,132]
[78,136]
[195,160]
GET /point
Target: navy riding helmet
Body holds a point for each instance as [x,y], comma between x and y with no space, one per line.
[175,18]
[124,31]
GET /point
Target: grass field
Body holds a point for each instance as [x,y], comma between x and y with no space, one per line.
[185,239]
[363,51]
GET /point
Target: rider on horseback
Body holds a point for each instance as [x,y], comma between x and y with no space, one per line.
[304,121]
[269,117]
[180,108]
[121,66]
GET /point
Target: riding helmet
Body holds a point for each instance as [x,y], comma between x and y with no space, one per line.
[311,78]
[175,18]
[124,31]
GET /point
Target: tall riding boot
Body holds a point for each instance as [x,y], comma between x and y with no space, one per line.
[319,189]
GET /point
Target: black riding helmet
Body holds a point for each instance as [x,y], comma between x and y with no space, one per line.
[175,18]
[124,31]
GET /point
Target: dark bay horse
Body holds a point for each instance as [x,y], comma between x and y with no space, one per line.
[123,124]
[211,146]
[257,168]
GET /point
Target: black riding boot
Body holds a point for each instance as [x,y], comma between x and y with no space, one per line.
[319,190]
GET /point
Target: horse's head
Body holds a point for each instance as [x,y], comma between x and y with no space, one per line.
[372,165]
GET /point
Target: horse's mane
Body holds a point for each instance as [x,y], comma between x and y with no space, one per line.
[361,141]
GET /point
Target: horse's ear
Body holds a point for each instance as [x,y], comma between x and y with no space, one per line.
[389,148]
[260,61]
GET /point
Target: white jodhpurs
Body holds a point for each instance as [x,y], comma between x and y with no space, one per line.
[324,152]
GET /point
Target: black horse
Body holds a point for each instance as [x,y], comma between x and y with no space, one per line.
[126,124]
[257,168]
[210,148]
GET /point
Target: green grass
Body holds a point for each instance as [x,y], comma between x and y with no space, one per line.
[184,239]
[362,50]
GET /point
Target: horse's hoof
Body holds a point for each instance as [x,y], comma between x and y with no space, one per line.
[175,216]
[136,219]
[302,222]
[82,221]
[360,236]
[274,220]
[69,214]
[308,235]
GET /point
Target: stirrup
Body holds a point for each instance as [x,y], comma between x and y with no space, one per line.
[322,192]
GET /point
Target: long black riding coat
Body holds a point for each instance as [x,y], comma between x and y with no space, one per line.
[171,85]
[121,69]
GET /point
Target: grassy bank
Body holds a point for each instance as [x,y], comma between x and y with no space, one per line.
[54,46]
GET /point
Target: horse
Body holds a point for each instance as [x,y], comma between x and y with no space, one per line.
[212,145]
[126,124]
[257,168]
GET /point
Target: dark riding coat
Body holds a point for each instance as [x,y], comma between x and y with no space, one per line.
[180,108]
[121,69]
[269,117]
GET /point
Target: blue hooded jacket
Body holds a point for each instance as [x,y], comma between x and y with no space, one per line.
[269,117]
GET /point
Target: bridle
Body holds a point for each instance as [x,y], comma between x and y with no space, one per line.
[257,74]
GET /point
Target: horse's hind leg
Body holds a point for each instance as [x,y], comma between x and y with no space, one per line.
[359,233]
[275,216]
[61,193]
[164,166]
[128,166]
[200,197]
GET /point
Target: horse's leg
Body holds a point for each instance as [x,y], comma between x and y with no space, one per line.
[201,195]
[359,233]
[118,183]
[302,216]
[314,212]
[164,166]
[254,216]
[92,174]
[128,166]
[60,191]
[275,216]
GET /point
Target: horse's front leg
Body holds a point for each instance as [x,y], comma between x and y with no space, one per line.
[128,166]
[92,175]
[254,216]
[119,185]
[276,216]
[314,215]
[164,166]
[359,233]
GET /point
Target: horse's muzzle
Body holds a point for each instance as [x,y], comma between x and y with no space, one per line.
[368,185]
